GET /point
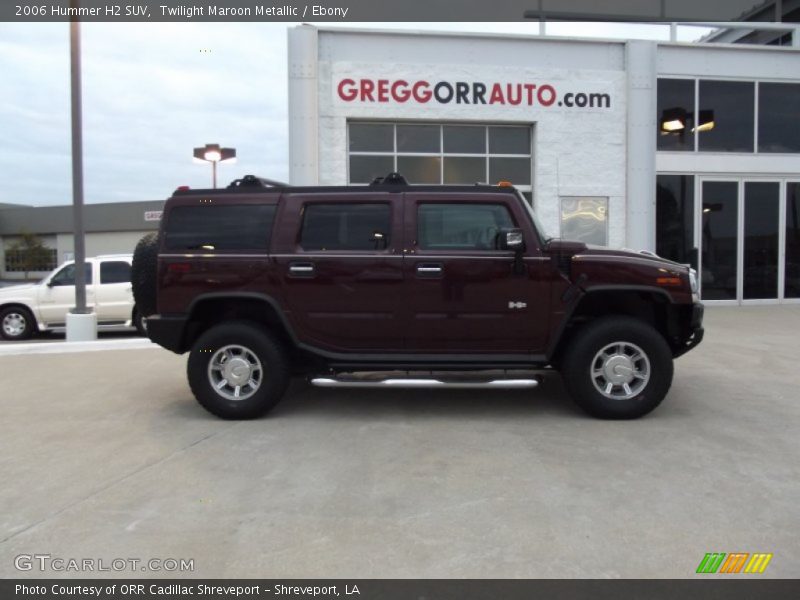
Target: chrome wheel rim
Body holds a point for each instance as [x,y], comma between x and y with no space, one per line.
[14,324]
[620,370]
[235,372]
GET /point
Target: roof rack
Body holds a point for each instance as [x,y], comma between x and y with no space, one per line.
[392,178]
[253,181]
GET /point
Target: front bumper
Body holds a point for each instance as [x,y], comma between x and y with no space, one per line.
[167,332]
[696,331]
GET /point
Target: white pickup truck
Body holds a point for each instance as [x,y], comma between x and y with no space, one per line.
[43,306]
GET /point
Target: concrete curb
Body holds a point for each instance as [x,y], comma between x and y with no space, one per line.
[67,347]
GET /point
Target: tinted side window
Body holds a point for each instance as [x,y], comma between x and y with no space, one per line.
[117,271]
[66,276]
[460,226]
[215,228]
[345,227]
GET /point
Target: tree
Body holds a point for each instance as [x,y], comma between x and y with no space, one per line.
[32,254]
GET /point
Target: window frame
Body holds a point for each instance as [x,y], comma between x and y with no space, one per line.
[486,155]
[113,262]
[756,108]
[350,201]
[416,206]
[254,203]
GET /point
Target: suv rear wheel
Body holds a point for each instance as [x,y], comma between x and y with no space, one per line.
[237,370]
[618,368]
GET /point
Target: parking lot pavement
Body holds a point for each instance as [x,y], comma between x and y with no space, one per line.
[105,455]
[60,335]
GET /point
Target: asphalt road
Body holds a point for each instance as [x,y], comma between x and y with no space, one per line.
[106,455]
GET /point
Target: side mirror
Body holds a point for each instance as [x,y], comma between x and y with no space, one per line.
[51,283]
[511,239]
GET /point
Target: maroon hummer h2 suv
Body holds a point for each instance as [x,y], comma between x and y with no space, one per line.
[402,285]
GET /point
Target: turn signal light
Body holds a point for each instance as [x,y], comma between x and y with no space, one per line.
[668,280]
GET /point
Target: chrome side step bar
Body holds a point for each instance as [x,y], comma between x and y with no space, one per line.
[501,384]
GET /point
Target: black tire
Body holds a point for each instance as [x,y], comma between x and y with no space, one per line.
[272,381]
[139,322]
[582,357]
[16,323]
[143,274]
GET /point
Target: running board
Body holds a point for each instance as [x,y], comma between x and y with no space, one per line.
[497,384]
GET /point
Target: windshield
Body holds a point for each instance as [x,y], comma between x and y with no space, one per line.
[543,237]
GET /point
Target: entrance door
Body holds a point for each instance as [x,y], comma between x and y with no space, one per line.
[740,240]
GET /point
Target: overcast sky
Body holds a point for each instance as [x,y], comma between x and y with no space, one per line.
[152,92]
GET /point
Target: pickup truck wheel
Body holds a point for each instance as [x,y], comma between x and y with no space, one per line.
[16,323]
[237,370]
[618,368]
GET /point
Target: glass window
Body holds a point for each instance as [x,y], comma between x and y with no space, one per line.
[345,226]
[464,169]
[453,226]
[363,169]
[438,153]
[792,269]
[25,260]
[115,271]
[371,137]
[761,227]
[675,218]
[732,104]
[418,138]
[464,139]
[779,117]
[509,140]
[66,276]
[420,169]
[720,240]
[675,106]
[218,228]
[515,170]
[584,219]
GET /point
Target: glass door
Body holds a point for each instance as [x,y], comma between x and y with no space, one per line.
[760,236]
[742,232]
[791,230]
[719,240]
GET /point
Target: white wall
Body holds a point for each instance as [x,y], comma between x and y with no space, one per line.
[576,151]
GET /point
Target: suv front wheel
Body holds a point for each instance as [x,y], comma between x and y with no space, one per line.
[617,368]
[237,370]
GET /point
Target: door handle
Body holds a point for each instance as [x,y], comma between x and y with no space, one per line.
[301,269]
[430,270]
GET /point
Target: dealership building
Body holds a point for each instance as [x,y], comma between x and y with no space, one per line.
[690,150]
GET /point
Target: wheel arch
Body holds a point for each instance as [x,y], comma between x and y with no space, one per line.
[210,309]
[651,305]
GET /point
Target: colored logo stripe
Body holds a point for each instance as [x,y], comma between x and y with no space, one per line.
[758,563]
[734,562]
[711,562]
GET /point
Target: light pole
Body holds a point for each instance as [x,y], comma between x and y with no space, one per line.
[81,320]
[214,154]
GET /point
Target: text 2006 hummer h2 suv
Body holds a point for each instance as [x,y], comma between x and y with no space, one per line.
[401,285]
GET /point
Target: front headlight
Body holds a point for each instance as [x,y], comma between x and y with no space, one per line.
[693,280]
